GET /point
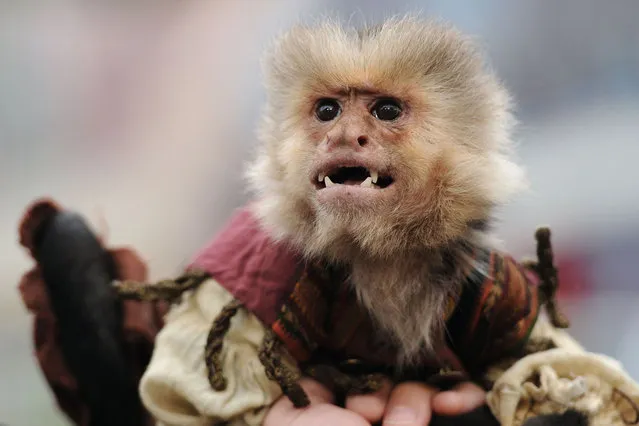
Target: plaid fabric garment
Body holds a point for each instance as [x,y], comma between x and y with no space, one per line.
[495,314]
[490,319]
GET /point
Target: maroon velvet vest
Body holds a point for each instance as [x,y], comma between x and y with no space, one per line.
[246,261]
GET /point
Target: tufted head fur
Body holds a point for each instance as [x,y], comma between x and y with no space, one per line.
[449,154]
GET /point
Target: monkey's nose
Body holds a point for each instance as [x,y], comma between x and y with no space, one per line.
[346,139]
[353,142]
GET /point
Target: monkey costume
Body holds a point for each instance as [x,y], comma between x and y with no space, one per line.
[250,316]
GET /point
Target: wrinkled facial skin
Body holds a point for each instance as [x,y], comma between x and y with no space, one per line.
[380,141]
[360,133]
[354,165]
[370,161]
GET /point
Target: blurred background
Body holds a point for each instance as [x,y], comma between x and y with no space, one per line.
[142,117]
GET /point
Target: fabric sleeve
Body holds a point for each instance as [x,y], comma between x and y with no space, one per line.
[175,386]
[496,313]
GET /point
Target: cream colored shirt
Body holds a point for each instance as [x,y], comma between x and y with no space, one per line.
[175,388]
[567,377]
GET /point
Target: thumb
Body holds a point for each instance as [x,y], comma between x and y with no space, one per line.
[462,399]
[320,413]
[284,413]
[317,394]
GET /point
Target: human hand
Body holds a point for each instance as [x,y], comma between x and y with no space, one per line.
[406,404]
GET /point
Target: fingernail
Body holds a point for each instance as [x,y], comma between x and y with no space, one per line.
[400,416]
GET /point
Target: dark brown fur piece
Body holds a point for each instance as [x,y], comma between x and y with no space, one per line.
[78,273]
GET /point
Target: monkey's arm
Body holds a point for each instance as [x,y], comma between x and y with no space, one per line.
[175,387]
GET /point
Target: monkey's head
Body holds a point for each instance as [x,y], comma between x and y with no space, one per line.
[392,137]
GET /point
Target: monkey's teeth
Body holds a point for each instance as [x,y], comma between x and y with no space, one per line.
[320,178]
[373,178]
[328,182]
[368,183]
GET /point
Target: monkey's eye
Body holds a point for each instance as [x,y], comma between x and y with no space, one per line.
[327,109]
[386,109]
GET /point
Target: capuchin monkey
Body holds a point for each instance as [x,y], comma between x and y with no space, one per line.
[386,150]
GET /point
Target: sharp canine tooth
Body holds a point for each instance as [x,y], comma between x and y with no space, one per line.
[328,182]
[374,176]
[367,183]
[320,178]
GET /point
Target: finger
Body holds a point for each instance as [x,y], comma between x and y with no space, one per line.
[326,414]
[409,405]
[317,393]
[283,412]
[371,406]
[319,413]
[462,399]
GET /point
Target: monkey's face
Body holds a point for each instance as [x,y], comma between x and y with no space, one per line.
[354,165]
[387,138]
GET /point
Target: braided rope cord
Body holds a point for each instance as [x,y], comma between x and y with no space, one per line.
[344,383]
[271,350]
[168,290]
[214,343]
[288,379]
[545,269]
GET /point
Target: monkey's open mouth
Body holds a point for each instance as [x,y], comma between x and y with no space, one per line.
[354,176]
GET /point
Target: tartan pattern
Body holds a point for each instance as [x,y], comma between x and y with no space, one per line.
[290,331]
[492,316]
[501,308]
[321,311]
